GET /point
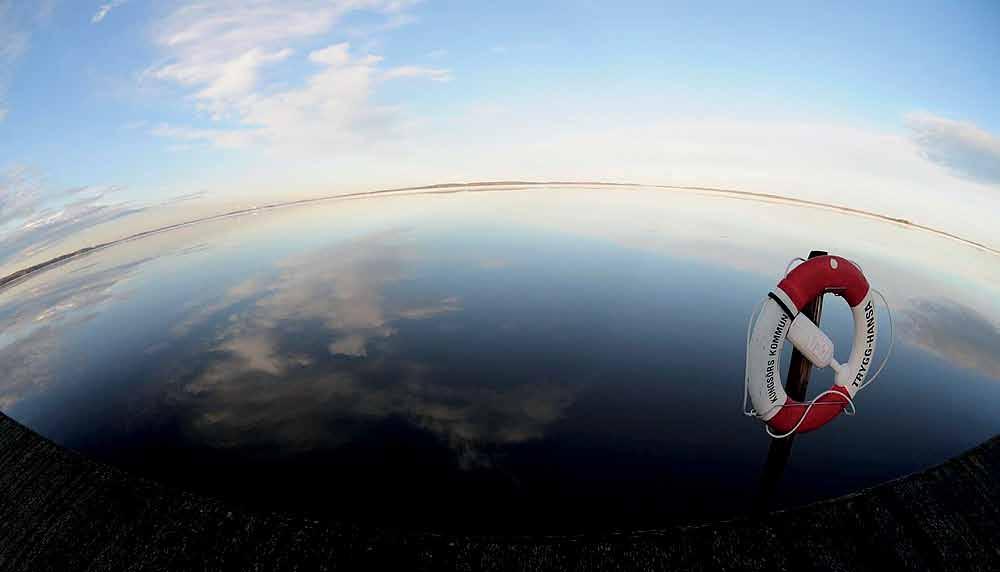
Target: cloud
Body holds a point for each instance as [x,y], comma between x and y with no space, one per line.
[237,77]
[104,9]
[222,51]
[184,198]
[567,136]
[17,23]
[960,146]
[331,111]
[14,37]
[224,138]
[336,54]
[34,217]
[220,46]
[435,74]
[225,83]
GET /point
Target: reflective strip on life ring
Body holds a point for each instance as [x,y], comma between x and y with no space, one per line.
[823,274]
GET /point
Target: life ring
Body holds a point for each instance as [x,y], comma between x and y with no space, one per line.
[781,318]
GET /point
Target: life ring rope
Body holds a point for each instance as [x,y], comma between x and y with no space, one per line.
[844,400]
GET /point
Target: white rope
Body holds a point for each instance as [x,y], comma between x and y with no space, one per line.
[849,410]
[850,402]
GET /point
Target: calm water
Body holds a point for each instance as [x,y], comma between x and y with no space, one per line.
[547,359]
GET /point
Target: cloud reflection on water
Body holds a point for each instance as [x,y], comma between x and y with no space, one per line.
[953,332]
[260,385]
[38,316]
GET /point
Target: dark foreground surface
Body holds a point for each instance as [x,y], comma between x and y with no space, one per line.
[61,511]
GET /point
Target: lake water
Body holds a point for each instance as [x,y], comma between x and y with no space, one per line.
[541,359]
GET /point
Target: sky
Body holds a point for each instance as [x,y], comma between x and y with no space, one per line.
[112,108]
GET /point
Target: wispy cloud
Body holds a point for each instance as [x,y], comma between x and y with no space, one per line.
[17,22]
[962,147]
[224,138]
[35,217]
[14,38]
[104,9]
[227,82]
[184,198]
[435,74]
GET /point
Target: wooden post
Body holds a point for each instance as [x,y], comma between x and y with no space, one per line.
[796,382]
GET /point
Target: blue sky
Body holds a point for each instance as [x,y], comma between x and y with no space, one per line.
[890,107]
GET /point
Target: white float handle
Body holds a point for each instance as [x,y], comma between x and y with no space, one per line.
[811,341]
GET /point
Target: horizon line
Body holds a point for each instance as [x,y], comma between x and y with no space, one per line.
[439,188]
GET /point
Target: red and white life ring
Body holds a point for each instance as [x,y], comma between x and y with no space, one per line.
[781,318]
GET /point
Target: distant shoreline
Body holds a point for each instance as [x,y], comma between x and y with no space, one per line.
[463,187]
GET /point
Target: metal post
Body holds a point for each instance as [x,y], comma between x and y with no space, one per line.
[797,380]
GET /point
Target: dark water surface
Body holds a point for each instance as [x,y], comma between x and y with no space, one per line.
[548,359]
